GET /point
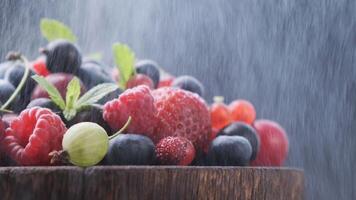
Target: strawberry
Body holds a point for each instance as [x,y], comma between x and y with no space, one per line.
[175,151]
[34,134]
[137,103]
[182,113]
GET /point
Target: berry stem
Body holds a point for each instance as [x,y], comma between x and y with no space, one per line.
[122,129]
[5,111]
[21,84]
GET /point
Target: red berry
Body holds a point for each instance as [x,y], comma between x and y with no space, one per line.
[166,82]
[39,67]
[137,103]
[182,113]
[220,114]
[175,151]
[274,144]
[140,79]
[34,134]
[243,111]
[60,81]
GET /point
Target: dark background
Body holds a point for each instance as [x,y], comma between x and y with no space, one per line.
[294,59]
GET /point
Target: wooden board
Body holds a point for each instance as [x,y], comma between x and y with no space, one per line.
[39,183]
[151,182]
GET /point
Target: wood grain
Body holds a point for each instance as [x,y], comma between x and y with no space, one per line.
[39,183]
[151,182]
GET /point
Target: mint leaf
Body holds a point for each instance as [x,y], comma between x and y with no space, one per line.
[69,113]
[73,92]
[51,90]
[95,94]
[52,29]
[72,95]
[124,61]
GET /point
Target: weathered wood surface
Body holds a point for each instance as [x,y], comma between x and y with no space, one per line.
[37,183]
[151,182]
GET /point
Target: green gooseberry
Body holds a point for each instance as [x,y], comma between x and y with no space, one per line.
[85,144]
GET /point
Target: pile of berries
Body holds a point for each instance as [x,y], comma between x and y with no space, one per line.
[64,108]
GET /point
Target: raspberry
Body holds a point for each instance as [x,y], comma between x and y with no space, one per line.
[33,135]
[137,103]
[182,113]
[175,151]
[140,79]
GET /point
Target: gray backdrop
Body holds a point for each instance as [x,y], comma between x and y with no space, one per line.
[294,59]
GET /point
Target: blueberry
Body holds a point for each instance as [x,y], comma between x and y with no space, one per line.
[246,131]
[229,151]
[62,56]
[92,75]
[149,68]
[130,149]
[96,65]
[6,90]
[189,83]
[93,113]
[4,67]
[44,103]
[112,95]
[14,75]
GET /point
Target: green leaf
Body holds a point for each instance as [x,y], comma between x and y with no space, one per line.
[51,90]
[73,93]
[69,113]
[124,60]
[52,29]
[95,94]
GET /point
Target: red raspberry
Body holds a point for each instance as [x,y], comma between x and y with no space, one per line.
[182,113]
[140,79]
[34,134]
[39,66]
[175,151]
[137,103]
